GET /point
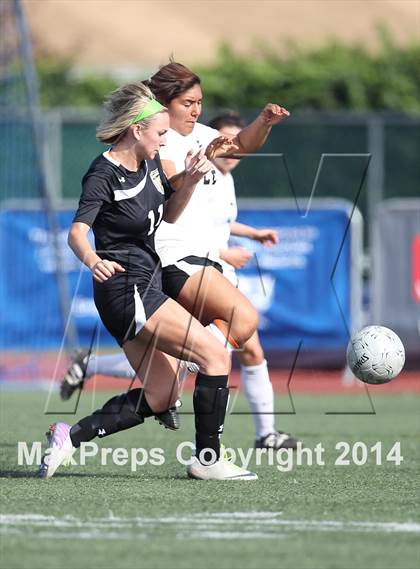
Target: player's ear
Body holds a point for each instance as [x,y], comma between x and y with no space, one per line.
[136,129]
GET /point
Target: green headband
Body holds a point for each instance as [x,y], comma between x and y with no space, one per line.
[151,108]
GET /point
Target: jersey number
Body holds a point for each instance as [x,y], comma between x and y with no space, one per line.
[153,223]
[210,177]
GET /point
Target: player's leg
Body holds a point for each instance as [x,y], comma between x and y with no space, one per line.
[209,296]
[257,386]
[133,407]
[155,321]
[170,331]
[170,328]
[174,331]
[258,390]
[84,365]
[113,365]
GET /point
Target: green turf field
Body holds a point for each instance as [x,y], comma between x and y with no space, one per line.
[319,516]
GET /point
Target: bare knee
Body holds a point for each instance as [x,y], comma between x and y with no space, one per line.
[244,324]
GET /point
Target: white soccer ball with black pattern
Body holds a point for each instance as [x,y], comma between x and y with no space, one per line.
[375,355]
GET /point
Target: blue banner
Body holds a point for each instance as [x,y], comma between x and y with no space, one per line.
[301,286]
[29,299]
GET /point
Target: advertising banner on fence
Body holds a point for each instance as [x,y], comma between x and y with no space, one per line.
[29,298]
[301,286]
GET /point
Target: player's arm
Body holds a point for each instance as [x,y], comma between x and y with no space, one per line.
[175,179]
[252,137]
[196,167]
[79,243]
[266,236]
[238,257]
[220,145]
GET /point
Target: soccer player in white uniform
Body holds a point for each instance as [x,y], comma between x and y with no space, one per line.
[188,247]
[191,272]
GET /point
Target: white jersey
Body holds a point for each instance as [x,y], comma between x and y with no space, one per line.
[192,233]
[224,211]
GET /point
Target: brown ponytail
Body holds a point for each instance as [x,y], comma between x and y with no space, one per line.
[171,81]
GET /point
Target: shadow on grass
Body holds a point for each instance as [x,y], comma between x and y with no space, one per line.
[110,475]
[17,474]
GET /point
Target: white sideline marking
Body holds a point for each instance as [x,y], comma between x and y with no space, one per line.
[219,525]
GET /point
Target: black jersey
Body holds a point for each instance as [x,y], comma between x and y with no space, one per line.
[124,209]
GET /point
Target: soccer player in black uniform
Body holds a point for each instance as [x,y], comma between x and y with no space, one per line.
[125,197]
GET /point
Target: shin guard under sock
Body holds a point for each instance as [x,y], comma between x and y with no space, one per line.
[210,400]
[119,413]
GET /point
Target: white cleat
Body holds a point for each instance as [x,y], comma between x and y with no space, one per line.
[59,450]
[220,470]
[185,369]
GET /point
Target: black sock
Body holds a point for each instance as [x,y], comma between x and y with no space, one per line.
[210,402]
[119,413]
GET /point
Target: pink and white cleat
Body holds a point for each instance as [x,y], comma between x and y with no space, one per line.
[59,450]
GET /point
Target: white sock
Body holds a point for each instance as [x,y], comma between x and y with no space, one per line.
[217,333]
[114,365]
[259,392]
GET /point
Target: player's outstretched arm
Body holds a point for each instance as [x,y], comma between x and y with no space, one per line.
[102,269]
[252,137]
[196,167]
[266,236]
[219,146]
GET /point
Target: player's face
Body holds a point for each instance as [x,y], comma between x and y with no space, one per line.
[185,109]
[226,165]
[151,139]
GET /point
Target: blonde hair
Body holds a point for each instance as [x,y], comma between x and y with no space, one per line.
[121,107]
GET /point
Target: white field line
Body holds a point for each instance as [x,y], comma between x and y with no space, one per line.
[107,535]
[222,525]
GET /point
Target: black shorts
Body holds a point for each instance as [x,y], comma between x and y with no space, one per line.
[175,276]
[125,301]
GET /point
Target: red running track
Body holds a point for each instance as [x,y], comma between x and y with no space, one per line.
[302,381]
[23,369]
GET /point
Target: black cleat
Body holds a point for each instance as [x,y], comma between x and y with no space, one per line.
[169,419]
[277,440]
[75,376]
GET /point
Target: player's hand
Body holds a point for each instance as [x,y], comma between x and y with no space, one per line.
[268,237]
[220,146]
[196,167]
[238,257]
[104,269]
[273,114]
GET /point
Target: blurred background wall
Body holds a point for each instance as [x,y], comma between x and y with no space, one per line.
[101,34]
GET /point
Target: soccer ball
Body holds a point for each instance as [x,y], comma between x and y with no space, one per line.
[375,355]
